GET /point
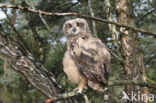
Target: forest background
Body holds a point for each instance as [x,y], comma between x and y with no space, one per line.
[32,47]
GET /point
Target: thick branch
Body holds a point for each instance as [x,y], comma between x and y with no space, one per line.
[62,97]
[110,84]
[25,64]
[77,15]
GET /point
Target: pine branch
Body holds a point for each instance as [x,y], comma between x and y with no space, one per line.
[150,59]
[131,82]
[145,15]
[110,84]
[77,15]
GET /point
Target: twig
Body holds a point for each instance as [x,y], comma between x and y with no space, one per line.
[77,15]
[55,36]
[15,30]
[116,56]
[131,82]
[145,15]
[72,5]
[48,28]
[110,84]
[150,59]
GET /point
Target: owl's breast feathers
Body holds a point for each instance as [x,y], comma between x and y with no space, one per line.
[92,60]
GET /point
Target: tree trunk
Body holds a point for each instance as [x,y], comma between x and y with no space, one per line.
[92,15]
[133,61]
[112,28]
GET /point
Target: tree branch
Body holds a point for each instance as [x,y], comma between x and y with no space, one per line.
[25,64]
[145,15]
[150,59]
[15,30]
[131,82]
[77,15]
[62,97]
[110,84]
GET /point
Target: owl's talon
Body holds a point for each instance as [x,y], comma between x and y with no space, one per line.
[79,90]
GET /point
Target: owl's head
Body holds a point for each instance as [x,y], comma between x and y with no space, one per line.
[76,27]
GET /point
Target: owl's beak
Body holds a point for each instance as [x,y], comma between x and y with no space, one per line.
[74,30]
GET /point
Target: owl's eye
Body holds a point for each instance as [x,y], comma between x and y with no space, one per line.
[78,25]
[69,26]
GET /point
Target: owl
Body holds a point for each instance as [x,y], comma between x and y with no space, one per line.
[87,60]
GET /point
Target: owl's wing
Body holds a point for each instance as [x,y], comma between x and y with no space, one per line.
[92,59]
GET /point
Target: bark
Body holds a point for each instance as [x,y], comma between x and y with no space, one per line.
[5,65]
[26,65]
[133,61]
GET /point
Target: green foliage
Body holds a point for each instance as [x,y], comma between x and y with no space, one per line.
[15,89]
